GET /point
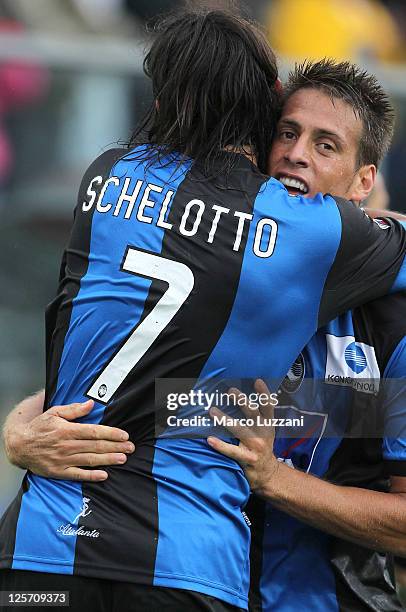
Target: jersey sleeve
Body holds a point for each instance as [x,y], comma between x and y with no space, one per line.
[394,440]
[401,277]
[369,262]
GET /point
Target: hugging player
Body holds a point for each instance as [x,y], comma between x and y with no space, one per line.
[315,540]
[102,344]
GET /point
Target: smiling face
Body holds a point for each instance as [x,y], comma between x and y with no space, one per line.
[316,146]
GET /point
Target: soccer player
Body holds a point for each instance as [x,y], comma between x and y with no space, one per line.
[174,245]
[315,540]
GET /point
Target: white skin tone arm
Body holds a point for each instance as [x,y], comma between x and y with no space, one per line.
[50,444]
[369,518]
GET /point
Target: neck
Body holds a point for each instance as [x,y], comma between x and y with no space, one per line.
[246,151]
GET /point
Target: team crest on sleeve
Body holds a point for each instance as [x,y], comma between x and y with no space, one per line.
[352,364]
[295,376]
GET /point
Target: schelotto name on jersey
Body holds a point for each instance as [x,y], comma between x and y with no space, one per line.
[136,202]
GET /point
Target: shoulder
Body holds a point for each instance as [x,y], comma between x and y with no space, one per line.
[105,161]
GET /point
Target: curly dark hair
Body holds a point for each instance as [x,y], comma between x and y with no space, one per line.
[359,89]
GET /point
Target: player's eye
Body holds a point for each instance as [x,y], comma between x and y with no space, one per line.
[286,135]
[326,146]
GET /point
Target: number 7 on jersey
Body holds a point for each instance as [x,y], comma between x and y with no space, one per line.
[180,282]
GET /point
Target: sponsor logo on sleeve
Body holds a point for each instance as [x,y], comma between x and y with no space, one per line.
[382,224]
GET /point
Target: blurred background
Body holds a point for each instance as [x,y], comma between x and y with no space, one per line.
[71,86]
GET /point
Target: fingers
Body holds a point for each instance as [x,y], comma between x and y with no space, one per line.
[71,467]
[260,420]
[242,432]
[73,473]
[261,388]
[243,455]
[83,431]
[229,450]
[96,460]
[241,400]
[99,447]
[72,411]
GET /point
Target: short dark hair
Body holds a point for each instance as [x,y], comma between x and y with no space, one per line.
[359,89]
[214,79]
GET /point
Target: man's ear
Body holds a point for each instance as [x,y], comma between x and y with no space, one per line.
[363,183]
[157,104]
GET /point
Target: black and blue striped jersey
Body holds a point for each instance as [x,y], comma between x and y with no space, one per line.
[170,275]
[352,377]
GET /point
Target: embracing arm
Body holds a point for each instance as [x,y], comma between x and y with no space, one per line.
[51,444]
[16,423]
[369,518]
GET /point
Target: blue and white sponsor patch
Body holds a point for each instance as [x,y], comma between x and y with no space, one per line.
[352,364]
[355,358]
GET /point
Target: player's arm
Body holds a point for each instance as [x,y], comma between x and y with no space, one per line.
[400,562]
[51,444]
[376,213]
[17,421]
[369,518]
[369,261]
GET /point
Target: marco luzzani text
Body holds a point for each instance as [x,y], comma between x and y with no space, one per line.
[205,401]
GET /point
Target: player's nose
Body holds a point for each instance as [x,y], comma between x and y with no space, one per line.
[298,154]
